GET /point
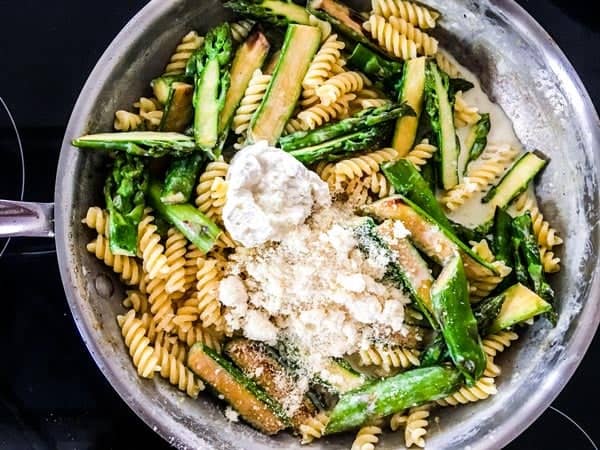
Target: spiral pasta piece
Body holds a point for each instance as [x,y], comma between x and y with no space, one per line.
[142,353]
[97,219]
[207,287]
[398,420]
[378,185]
[241,29]
[153,256]
[187,314]
[357,191]
[313,428]
[250,102]
[309,98]
[137,301]
[322,25]
[415,14]
[176,372]
[188,45]
[482,173]
[416,426]
[545,234]
[362,165]
[127,121]
[421,153]
[391,39]
[335,88]
[446,65]
[322,64]
[389,357]
[205,198]
[295,124]
[481,287]
[318,115]
[482,389]
[199,334]
[366,438]
[550,262]
[161,304]
[497,343]
[175,250]
[126,266]
[427,45]
[464,114]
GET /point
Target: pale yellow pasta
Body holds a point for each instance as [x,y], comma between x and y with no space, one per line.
[142,353]
[187,313]
[313,428]
[550,262]
[318,115]
[250,101]
[417,15]
[390,39]
[161,304]
[309,98]
[127,121]
[97,219]
[241,29]
[175,250]
[204,190]
[357,191]
[362,165]
[481,174]
[444,63]
[398,420]
[199,334]
[547,236]
[335,88]
[427,45]
[188,45]
[150,248]
[208,277]
[421,153]
[295,124]
[150,110]
[497,343]
[379,185]
[136,300]
[482,389]
[464,114]
[388,357]
[322,25]
[416,426]
[321,67]
[366,438]
[176,372]
[481,287]
[126,266]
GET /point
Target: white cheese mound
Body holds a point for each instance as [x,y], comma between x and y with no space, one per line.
[231,414]
[269,194]
[314,288]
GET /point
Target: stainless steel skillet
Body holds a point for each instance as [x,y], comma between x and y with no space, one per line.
[521,69]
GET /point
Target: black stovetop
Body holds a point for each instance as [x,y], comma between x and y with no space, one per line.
[52,395]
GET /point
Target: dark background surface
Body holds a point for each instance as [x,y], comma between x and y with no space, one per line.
[52,396]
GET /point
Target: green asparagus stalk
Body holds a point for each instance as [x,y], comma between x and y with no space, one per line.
[275,12]
[139,143]
[181,179]
[477,138]
[344,146]
[523,230]
[451,307]
[501,243]
[407,180]
[486,311]
[436,352]
[376,66]
[212,79]
[519,267]
[194,225]
[361,121]
[391,395]
[124,193]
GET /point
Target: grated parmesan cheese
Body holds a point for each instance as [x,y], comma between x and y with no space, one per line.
[231,414]
[315,289]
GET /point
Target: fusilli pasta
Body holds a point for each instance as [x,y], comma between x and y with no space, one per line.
[362,165]
[483,286]
[175,250]
[482,389]
[317,115]
[250,101]
[209,276]
[322,25]
[152,251]
[199,334]
[97,219]
[137,301]
[142,353]
[389,357]
[421,153]
[334,89]
[481,173]
[176,372]
[190,43]
[209,191]
[444,63]
[415,14]
[378,184]
[126,266]
[550,262]
[313,428]
[295,124]
[416,426]
[427,45]
[241,29]
[322,64]
[127,121]
[464,114]
[390,39]
[161,304]
[545,234]
[366,438]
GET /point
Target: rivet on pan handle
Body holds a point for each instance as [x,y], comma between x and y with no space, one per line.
[26,219]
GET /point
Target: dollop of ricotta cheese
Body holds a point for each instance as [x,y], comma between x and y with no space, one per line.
[269,194]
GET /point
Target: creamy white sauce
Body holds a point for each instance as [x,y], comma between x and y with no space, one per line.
[474,212]
[269,194]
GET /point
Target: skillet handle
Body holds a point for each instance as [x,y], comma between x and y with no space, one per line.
[26,219]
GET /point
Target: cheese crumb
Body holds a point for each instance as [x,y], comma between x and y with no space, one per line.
[231,414]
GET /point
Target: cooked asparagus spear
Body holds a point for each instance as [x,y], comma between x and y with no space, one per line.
[181,178]
[212,79]
[194,225]
[275,12]
[124,193]
[375,65]
[477,137]
[139,143]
